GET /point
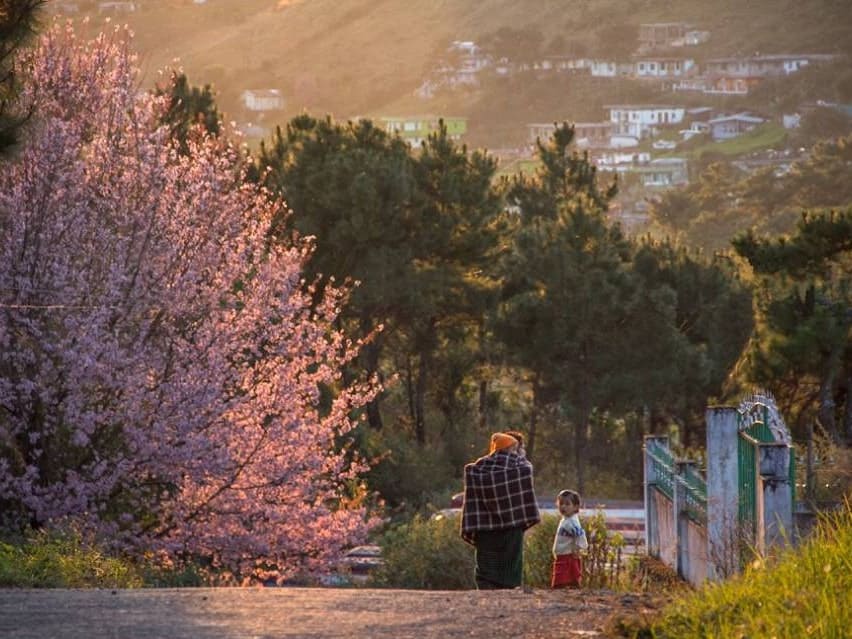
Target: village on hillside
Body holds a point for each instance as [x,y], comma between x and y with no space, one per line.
[650,144]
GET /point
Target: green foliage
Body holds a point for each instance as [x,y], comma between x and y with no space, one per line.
[63,560]
[724,201]
[430,554]
[188,107]
[803,346]
[605,326]
[409,477]
[18,20]
[804,593]
[602,561]
[426,554]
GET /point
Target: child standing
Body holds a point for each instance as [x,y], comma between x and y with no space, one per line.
[570,540]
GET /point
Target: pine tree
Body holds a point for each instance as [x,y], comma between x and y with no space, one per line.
[18,20]
[803,346]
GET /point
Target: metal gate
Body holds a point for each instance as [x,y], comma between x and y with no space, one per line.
[758,422]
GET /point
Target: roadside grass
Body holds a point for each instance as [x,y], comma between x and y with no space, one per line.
[63,559]
[805,592]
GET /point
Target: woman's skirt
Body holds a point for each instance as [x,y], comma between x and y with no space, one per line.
[499,558]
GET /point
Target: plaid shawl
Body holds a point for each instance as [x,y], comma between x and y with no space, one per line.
[498,494]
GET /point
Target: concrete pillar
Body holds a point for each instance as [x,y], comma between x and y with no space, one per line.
[680,517]
[722,490]
[776,515]
[652,530]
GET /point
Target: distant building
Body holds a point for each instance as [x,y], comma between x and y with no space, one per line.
[659,35]
[730,85]
[415,129]
[587,135]
[663,67]
[763,66]
[608,68]
[641,121]
[118,7]
[660,173]
[664,173]
[262,99]
[693,38]
[733,126]
[64,7]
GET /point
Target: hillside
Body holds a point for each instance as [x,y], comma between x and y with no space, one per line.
[368,56]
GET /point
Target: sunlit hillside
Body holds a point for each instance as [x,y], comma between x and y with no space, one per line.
[350,57]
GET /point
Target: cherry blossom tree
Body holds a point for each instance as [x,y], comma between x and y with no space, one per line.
[167,379]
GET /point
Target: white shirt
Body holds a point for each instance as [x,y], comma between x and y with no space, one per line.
[570,536]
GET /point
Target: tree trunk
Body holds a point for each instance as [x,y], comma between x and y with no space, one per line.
[847,413]
[530,443]
[419,399]
[580,427]
[409,389]
[483,405]
[371,361]
[827,405]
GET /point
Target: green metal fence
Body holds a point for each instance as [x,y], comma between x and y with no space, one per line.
[696,495]
[665,472]
[663,464]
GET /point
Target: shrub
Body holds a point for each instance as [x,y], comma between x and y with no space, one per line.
[430,554]
[63,560]
[602,561]
[426,554]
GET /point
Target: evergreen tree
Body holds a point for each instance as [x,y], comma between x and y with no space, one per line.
[352,187]
[564,288]
[454,282]
[18,19]
[803,344]
[189,106]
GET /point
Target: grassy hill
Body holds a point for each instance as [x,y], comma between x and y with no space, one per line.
[356,57]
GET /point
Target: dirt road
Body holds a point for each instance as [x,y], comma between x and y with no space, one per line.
[309,613]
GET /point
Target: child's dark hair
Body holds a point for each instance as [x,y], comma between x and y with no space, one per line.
[569,495]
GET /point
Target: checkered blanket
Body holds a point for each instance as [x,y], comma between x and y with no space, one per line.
[498,494]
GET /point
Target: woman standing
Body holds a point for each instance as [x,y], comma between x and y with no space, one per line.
[499,505]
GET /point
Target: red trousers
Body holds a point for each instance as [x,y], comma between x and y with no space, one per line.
[567,571]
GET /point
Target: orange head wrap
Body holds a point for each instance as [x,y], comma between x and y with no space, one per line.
[499,441]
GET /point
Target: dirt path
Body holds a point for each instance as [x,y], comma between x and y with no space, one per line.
[268,613]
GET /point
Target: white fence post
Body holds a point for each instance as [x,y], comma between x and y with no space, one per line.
[774,491]
[722,489]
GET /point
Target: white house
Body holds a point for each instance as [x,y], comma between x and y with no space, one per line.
[662,67]
[763,66]
[608,68]
[603,68]
[697,127]
[263,99]
[694,38]
[587,135]
[640,121]
[65,7]
[655,35]
[118,7]
[664,172]
[733,126]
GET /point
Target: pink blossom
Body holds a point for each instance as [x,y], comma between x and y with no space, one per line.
[161,366]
